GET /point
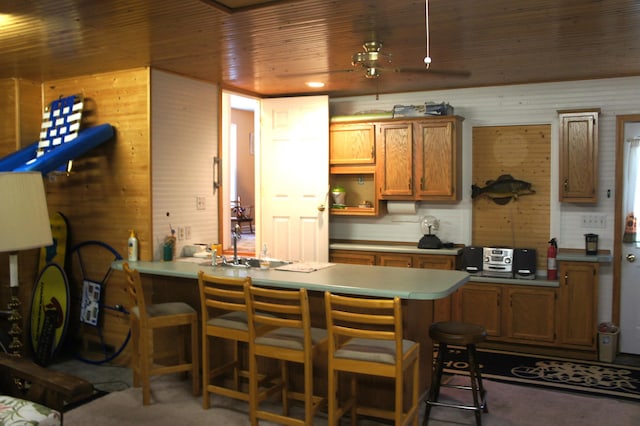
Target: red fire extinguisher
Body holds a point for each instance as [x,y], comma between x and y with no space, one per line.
[552,253]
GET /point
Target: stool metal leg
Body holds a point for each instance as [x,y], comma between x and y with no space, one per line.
[476,384]
[436,380]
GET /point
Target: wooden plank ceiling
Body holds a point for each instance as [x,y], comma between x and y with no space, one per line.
[274,47]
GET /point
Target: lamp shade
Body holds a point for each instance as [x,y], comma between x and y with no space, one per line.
[24,217]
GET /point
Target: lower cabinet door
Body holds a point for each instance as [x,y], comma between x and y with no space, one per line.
[529,313]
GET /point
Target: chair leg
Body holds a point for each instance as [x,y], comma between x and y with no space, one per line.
[206,350]
[308,393]
[285,387]
[332,402]
[195,358]
[253,389]
[146,362]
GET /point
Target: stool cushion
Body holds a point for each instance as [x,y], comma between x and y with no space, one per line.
[163,309]
[373,350]
[457,333]
[236,320]
[292,338]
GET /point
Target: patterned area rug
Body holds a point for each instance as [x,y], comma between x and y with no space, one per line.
[587,377]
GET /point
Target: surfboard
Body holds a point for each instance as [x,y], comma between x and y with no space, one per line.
[57,251]
[49,313]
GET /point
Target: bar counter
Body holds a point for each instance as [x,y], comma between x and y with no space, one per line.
[177,281]
[378,281]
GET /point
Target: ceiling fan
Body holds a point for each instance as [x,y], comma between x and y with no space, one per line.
[373,61]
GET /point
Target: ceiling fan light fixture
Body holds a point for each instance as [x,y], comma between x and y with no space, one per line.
[372,72]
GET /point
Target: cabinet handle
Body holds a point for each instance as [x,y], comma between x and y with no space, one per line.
[410,184]
[566,185]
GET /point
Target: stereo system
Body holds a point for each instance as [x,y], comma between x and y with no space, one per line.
[499,262]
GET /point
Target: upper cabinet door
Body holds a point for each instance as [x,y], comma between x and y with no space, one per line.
[352,144]
[578,156]
[395,160]
[438,159]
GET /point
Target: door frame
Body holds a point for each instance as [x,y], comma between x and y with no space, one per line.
[224,206]
[619,223]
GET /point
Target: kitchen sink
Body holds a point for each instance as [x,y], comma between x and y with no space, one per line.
[250,262]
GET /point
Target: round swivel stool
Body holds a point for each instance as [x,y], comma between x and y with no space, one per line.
[461,334]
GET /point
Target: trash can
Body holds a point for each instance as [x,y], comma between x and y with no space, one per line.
[607,342]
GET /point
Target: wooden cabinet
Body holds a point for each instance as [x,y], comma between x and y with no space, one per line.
[514,313]
[352,151]
[392,259]
[578,304]
[438,159]
[395,165]
[352,143]
[352,257]
[442,307]
[529,313]
[578,155]
[480,304]
[420,159]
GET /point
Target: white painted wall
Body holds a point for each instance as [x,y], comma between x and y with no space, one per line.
[509,105]
[184,140]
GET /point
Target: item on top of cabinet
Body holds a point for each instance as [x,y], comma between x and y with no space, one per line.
[591,244]
[429,240]
[503,189]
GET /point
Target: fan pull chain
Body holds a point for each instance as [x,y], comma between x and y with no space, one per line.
[427,58]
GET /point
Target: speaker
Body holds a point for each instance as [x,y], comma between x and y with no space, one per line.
[472,259]
[524,263]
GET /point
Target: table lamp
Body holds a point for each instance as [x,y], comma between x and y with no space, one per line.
[24,224]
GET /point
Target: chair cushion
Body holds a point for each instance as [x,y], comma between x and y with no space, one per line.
[291,338]
[162,309]
[236,320]
[16,411]
[372,350]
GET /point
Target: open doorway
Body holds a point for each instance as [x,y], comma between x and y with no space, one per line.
[240,129]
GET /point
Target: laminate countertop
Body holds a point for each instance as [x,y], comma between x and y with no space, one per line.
[376,281]
[395,248]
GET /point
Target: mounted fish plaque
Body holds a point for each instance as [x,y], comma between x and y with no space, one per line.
[503,189]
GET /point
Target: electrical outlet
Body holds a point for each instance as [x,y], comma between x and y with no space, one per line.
[180,233]
[187,232]
[594,221]
[201,203]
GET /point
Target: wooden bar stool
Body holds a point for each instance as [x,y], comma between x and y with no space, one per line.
[280,329]
[462,334]
[365,339]
[224,317]
[144,319]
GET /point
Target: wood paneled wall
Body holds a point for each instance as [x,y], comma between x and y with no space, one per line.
[525,153]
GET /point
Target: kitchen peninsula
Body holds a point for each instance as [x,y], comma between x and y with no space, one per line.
[418,288]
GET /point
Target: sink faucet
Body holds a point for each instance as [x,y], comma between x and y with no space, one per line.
[235,236]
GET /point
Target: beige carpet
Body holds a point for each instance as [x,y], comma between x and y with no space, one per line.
[172,404]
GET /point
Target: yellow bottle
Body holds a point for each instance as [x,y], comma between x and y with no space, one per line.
[132,247]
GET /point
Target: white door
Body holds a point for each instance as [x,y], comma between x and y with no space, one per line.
[294,178]
[630,267]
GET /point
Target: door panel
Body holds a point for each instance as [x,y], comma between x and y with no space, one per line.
[630,250]
[294,176]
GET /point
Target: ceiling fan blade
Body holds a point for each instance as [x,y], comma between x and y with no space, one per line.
[310,74]
[452,73]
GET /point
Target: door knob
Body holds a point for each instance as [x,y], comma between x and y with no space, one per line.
[631,257]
